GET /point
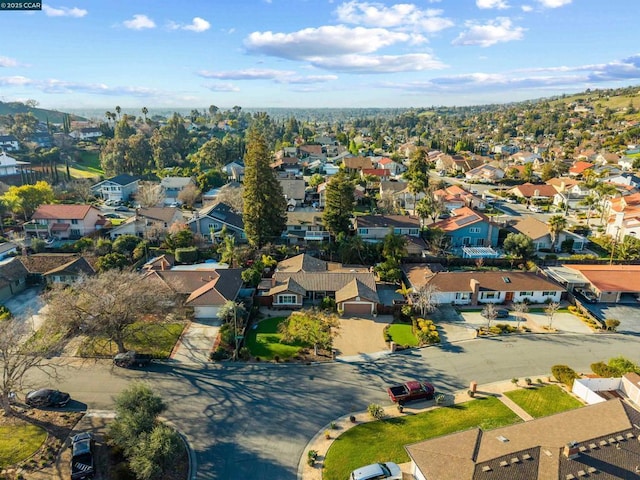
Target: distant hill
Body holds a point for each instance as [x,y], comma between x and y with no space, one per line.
[42,114]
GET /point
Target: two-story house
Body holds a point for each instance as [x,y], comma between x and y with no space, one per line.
[303,227]
[116,189]
[172,186]
[9,143]
[469,228]
[9,165]
[64,221]
[86,133]
[376,227]
[210,221]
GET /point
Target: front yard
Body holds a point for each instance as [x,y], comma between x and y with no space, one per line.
[402,334]
[263,341]
[543,401]
[384,441]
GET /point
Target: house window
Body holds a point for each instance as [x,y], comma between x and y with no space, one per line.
[297,227]
[363,231]
[463,296]
[75,233]
[526,294]
[474,230]
[74,222]
[466,241]
[413,231]
[548,294]
[287,299]
[490,295]
[397,231]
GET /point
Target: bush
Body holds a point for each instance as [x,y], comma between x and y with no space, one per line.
[564,374]
[425,331]
[186,255]
[603,370]
[376,411]
[219,354]
[386,335]
[328,304]
[612,324]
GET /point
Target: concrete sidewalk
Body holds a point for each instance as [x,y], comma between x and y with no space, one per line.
[196,342]
[321,444]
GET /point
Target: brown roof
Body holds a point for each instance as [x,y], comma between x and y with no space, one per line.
[204,287]
[12,271]
[46,262]
[62,212]
[531,227]
[498,281]
[357,163]
[355,288]
[417,273]
[163,214]
[331,281]
[75,267]
[528,190]
[611,278]
[538,446]
[302,262]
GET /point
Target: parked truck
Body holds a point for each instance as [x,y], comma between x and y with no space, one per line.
[82,467]
[411,390]
[131,359]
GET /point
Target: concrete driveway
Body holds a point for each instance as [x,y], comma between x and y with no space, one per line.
[27,306]
[562,322]
[628,314]
[361,335]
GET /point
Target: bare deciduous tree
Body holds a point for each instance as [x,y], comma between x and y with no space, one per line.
[106,305]
[81,188]
[424,298]
[189,195]
[520,310]
[149,194]
[490,312]
[551,310]
[20,354]
[232,197]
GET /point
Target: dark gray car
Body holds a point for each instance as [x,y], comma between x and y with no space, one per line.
[46,397]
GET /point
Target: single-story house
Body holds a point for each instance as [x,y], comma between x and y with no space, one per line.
[8,249]
[152,223]
[9,165]
[205,290]
[532,191]
[172,186]
[117,189]
[485,174]
[475,288]
[44,267]
[293,189]
[610,283]
[596,441]
[13,278]
[307,279]
[538,231]
[69,272]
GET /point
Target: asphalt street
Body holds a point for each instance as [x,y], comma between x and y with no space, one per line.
[253,420]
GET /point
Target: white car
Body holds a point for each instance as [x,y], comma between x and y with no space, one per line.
[535,208]
[377,471]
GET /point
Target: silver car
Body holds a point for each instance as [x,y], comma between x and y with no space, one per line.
[377,471]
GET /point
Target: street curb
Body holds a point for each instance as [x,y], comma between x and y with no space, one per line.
[193,462]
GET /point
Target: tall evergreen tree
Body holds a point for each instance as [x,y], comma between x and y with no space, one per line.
[339,204]
[264,211]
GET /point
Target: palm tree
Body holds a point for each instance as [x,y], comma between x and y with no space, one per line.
[591,202]
[107,114]
[145,110]
[556,224]
[118,110]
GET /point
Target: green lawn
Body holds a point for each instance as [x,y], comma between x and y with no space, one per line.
[264,341]
[401,334]
[88,165]
[156,339]
[543,401]
[384,441]
[19,441]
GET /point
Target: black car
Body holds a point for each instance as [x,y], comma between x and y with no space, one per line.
[588,295]
[82,449]
[46,397]
[500,313]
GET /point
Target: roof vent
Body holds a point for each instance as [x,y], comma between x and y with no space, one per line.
[506,279]
[503,439]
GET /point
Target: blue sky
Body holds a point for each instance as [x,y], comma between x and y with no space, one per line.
[314,53]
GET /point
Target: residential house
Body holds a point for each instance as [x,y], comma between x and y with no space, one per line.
[204,289]
[293,190]
[530,191]
[627,179]
[357,164]
[468,228]
[610,283]
[65,221]
[376,227]
[485,174]
[606,158]
[454,197]
[120,188]
[212,195]
[8,249]
[394,167]
[9,143]
[290,165]
[303,227]
[69,272]
[312,151]
[173,186]
[305,279]
[41,139]
[579,168]
[538,231]
[13,278]
[626,163]
[505,149]
[598,441]
[234,170]
[86,133]
[624,216]
[482,287]
[330,169]
[379,173]
[151,223]
[210,221]
[523,158]
[9,165]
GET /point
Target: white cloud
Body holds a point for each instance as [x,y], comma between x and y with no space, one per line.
[139,22]
[64,11]
[487,4]
[379,63]
[15,81]
[527,8]
[8,62]
[401,15]
[53,85]
[223,87]
[322,41]
[308,80]
[197,25]
[495,31]
[554,3]
[247,74]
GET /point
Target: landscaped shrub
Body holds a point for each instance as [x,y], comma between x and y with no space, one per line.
[386,335]
[603,370]
[186,255]
[500,328]
[426,331]
[564,374]
[376,411]
[328,304]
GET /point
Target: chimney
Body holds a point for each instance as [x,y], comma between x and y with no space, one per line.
[571,450]
[475,291]
[536,193]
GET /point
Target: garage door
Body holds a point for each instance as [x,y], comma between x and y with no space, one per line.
[357,308]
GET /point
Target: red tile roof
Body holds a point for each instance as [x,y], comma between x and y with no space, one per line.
[62,212]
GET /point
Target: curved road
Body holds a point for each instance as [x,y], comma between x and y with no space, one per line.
[253,421]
